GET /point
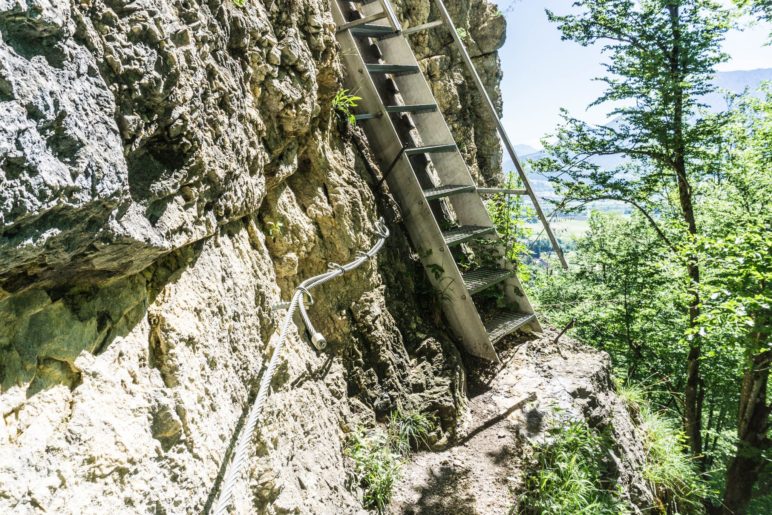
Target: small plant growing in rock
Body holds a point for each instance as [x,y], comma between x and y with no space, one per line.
[462,33]
[275,228]
[343,102]
[240,3]
[409,429]
[376,467]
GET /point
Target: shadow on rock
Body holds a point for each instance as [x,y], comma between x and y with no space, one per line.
[445,494]
[42,332]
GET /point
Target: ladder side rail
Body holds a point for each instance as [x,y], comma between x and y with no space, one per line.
[502,131]
[421,225]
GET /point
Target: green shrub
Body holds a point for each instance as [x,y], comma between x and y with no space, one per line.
[342,104]
[569,476]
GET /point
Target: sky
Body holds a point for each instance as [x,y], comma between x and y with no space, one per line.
[543,73]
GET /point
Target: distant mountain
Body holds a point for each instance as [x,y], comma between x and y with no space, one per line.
[524,150]
[734,82]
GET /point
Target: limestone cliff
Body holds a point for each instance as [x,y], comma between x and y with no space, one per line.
[169,170]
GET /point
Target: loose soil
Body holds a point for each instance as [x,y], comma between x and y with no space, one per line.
[477,474]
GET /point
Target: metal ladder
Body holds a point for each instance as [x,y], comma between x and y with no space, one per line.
[428,175]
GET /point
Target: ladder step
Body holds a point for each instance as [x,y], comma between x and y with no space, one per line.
[395,69]
[431,149]
[373,31]
[360,21]
[365,116]
[483,278]
[501,191]
[412,108]
[464,233]
[425,26]
[506,323]
[446,191]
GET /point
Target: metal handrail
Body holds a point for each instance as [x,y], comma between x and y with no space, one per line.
[502,131]
[390,15]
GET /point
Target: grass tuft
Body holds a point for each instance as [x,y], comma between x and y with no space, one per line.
[378,454]
[409,429]
[569,476]
[669,469]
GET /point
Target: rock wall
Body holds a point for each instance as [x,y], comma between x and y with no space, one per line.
[169,170]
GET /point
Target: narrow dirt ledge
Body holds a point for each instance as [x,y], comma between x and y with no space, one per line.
[511,407]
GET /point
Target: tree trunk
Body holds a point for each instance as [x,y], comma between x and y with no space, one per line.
[693,392]
[753,423]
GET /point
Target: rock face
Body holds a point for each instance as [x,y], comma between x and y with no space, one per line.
[169,170]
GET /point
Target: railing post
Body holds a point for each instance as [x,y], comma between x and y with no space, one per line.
[502,132]
[393,20]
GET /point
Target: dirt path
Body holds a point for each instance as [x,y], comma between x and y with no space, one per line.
[511,407]
[476,474]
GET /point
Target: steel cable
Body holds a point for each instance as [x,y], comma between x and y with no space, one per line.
[242,444]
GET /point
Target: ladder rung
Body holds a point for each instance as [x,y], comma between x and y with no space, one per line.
[465,233]
[395,69]
[412,108]
[365,116]
[431,149]
[419,28]
[483,278]
[362,21]
[505,323]
[505,191]
[446,191]
[373,31]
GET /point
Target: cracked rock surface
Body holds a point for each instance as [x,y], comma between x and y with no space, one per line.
[169,171]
